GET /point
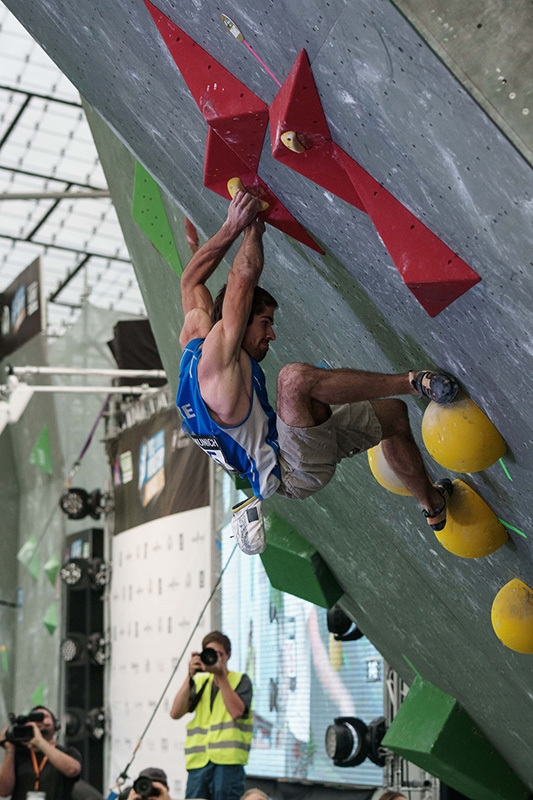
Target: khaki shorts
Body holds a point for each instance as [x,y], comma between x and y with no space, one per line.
[308,457]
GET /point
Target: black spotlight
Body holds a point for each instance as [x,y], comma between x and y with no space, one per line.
[76,648]
[77,573]
[376,731]
[75,723]
[99,573]
[96,723]
[346,741]
[85,573]
[73,649]
[74,573]
[97,648]
[350,740]
[76,503]
[341,626]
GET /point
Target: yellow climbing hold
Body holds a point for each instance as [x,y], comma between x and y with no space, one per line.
[290,140]
[512,616]
[383,473]
[472,528]
[234,184]
[460,437]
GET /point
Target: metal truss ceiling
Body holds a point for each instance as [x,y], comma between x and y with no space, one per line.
[53,193]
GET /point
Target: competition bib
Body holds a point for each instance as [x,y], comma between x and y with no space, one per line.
[210,445]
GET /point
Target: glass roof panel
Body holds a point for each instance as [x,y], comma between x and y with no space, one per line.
[46,148]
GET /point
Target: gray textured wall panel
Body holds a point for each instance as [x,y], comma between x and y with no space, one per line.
[397,110]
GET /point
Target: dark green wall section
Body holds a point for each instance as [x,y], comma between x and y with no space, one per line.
[434,732]
[295,566]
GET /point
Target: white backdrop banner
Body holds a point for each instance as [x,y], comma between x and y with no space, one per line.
[161,581]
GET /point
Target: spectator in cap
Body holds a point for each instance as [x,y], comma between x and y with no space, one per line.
[159,783]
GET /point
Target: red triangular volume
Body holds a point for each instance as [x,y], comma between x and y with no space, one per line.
[433,273]
[239,116]
[222,163]
[297,107]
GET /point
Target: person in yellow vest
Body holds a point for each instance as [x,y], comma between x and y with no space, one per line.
[219,736]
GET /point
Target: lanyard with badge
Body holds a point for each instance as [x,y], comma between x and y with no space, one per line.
[37,768]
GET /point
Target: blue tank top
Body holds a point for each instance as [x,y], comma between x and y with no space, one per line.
[249,449]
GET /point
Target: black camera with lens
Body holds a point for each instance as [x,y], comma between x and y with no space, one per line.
[19,730]
[209,656]
[145,787]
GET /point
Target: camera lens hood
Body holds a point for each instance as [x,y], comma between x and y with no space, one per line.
[209,656]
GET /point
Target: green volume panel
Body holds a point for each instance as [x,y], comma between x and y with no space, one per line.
[294,566]
[149,213]
[434,732]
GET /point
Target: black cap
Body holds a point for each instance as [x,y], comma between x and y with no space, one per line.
[155,774]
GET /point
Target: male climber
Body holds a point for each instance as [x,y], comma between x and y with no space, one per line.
[322,415]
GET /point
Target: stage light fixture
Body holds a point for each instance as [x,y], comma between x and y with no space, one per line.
[99,572]
[76,648]
[75,723]
[96,723]
[376,731]
[350,740]
[73,649]
[97,648]
[77,503]
[346,741]
[341,626]
[85,573]
[73,571]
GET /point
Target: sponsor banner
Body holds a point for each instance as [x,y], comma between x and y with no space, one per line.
[157,470]
[160,582]
[22,309]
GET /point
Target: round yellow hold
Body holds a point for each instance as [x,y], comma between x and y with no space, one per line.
[460,437]
[512,616]
[472,528]
[384,474]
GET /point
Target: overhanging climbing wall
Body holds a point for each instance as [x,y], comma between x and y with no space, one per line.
[397,112]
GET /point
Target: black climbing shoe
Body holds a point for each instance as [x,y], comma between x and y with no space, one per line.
[445,488]
[437,386]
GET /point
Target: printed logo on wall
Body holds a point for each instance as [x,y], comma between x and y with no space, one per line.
[151,467]
[157,471]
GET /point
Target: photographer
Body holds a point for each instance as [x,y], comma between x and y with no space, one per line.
[152,784]
[37,764]
[219,736]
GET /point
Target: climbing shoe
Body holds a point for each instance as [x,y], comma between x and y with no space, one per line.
[445,488]
[436,386]
[247,526]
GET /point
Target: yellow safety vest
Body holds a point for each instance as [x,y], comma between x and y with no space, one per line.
[212,735]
